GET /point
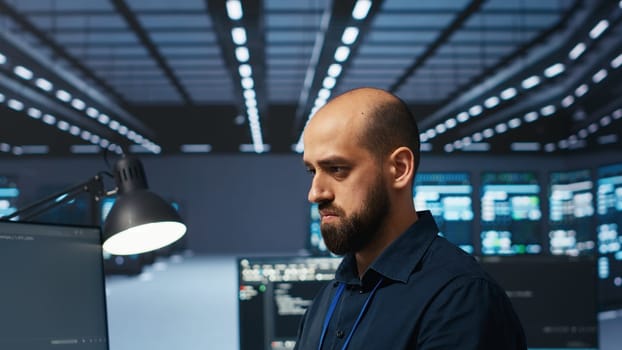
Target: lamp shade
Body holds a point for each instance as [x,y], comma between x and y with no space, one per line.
[139,221]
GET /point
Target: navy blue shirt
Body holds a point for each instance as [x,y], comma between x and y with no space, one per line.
[431,295]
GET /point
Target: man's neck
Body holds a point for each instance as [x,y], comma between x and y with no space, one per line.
[366,256]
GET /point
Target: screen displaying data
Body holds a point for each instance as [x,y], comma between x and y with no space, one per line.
[315,243]
[510,214]
[554,297]
[571,213]
[52,295]
[274,293]
[448,197]
[609,223]
[9,194]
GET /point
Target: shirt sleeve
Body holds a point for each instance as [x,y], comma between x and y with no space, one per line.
[470,314]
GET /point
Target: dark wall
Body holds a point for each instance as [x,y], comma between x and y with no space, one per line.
[239,204]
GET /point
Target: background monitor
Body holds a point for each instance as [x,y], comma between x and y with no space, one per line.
[315,243]
[609,224]
[554,297]
[274,293]
[571,213]
[448,197]
[510,213]
[52,294]
[9,195]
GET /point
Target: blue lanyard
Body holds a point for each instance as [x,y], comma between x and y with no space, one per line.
[331,310]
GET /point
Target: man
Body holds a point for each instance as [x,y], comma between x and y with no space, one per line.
[400,285]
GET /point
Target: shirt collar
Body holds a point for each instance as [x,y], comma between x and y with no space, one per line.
[400,258]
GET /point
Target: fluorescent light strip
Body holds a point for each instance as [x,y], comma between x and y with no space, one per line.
[607,139]
[554,70]
[196,148]
[576,51]
[581,90]
[2,59]
[78,104]
[35,149]
[361,9]
[477,147]
[34,113]
[242,54]
[349,35]
[599,76]
[15,104]
[44,84]
[491,102]
[531,117]
[334,70]
[238,34]
[84,149]
[475,110]
[342,53]
[567,101]
[234,9]
[547,110]
[616,62]
[525,146]
[508,93]
[530,82]
[63,95]
[599,28]
[23,72]
[62,125]
[245,70]
[5,147]
[49,119]
[462,117]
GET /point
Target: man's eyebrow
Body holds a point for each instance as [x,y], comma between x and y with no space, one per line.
[332,161]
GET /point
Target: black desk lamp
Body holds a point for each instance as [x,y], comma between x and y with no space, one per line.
[139,221]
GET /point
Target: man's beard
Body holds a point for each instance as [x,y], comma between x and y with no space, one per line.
[359,229]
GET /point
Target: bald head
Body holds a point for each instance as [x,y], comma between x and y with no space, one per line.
[381,120]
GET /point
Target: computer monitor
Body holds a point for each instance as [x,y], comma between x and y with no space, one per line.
[448,197]
[555,298]
[609,226]
[571,213]
[274,293]
[52,293]
[510,213]
[315,242]
[9,195]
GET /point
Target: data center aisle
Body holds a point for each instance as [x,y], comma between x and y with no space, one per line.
[181,303]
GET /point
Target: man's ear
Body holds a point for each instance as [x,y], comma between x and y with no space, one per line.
[402,167]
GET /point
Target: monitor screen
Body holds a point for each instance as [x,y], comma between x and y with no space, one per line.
[571,213]
[274,293]
[510,214]
[315,244]
[554,297]
[609,224]
[9,194]
[52,293]
[448,197]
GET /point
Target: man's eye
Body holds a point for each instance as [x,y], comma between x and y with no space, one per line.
[311,171]
[337,170]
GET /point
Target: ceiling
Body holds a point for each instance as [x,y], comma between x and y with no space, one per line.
[197,76]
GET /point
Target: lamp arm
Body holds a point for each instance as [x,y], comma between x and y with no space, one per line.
[94,186]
